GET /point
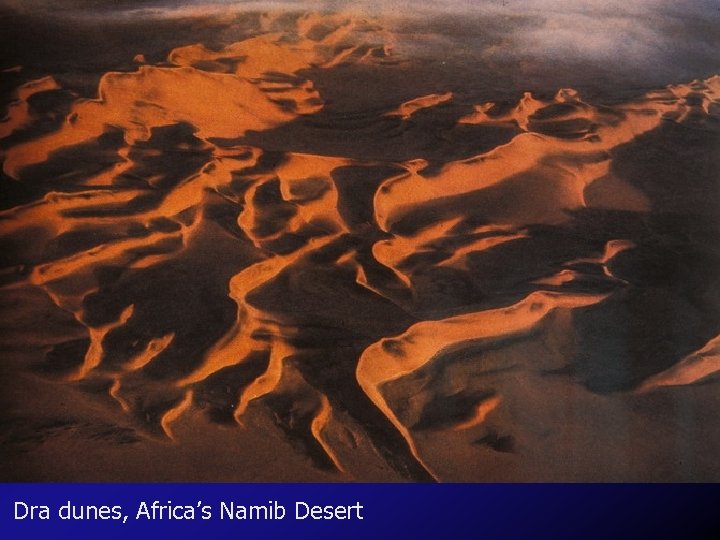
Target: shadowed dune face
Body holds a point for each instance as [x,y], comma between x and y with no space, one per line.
[312,234]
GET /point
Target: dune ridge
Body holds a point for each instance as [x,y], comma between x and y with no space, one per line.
[695,367]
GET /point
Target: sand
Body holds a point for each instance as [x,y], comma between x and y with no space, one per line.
[294,246]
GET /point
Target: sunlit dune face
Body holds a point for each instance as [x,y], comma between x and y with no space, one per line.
[212,274]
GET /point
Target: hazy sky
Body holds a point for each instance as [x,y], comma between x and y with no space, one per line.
[663,40]
[706,8]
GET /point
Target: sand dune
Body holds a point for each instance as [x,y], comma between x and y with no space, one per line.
[367,303]
[393,358]
[407,109]
[18,113]
[693,368]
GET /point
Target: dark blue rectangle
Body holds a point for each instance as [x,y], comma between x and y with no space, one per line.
[575,511]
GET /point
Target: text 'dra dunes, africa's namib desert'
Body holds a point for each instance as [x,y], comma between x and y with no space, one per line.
[340,241]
